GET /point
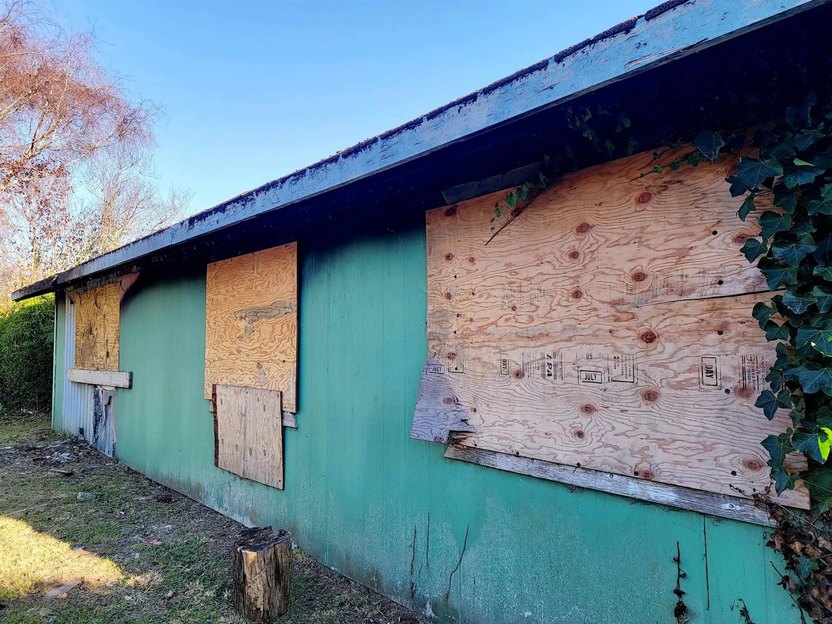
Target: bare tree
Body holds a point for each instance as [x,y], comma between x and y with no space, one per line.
[76,174]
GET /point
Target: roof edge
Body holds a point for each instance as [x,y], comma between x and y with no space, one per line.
[670,31]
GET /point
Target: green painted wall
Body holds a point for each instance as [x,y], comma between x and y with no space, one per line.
[393,513]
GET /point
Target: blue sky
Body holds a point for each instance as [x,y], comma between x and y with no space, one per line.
[252,90]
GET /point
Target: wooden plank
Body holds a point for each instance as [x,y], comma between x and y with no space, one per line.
[109,379]
[659,493]
[97,321]
[289,419]
[608,327]
[249,433]
[251,322]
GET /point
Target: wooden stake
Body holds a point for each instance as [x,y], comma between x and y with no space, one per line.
[262,573]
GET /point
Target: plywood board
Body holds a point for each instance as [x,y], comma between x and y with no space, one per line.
[249,433]
[251,322]
[607,327]
[97,314]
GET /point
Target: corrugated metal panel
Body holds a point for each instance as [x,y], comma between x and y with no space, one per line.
[78,408]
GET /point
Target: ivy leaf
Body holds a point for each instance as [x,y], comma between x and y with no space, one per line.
[748,206]
[807,443]
[753,248]
[823,205]
[823,271]
[511,200]
[762,313]
[775,332]
[709,143]
[824,442]
[805,566]
[793,252]
[752,172]
[824,299]
[814,378]
[773,222]
[806,138]
[770,403]
[778,448]
[819,484]
[819,339]
[785,198]
[801,175]
[779,276]
[798,303]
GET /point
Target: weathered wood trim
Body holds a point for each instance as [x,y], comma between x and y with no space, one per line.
[660,493]
[438,411]
[109,379]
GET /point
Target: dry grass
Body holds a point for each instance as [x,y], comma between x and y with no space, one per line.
[133,551]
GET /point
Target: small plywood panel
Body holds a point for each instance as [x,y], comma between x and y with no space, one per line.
[608,326]
[251,322]
[249,433]
[97,322]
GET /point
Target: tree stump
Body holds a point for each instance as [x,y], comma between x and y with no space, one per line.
[262,573]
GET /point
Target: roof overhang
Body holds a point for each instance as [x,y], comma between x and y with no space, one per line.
[669,33]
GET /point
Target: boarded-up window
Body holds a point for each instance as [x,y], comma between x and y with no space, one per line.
[97,322]
[249,433]
[251,322]
[609,327]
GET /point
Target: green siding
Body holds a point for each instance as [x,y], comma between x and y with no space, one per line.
[393,513]
[58,361]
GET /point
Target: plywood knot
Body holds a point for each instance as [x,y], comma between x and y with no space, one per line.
[644,473]
[575,254]
[449,256]
[583,228]
[645,197]
[448,400]
[740,239]
[744,392]
[753,464]
[577,294]
[639,276]
[450,211]
[519,374]
[648,337]
[650,395]
[588,408]
[472,260]
[448,296]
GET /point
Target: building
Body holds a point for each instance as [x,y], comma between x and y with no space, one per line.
[549,445]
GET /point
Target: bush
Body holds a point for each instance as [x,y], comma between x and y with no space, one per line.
[26,342]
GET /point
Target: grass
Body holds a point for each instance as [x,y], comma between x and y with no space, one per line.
[133,551]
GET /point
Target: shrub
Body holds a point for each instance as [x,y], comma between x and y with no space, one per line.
[26,341]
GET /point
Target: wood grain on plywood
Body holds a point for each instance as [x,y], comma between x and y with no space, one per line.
[251,322]
[608,327]
[249,433]
[97,322]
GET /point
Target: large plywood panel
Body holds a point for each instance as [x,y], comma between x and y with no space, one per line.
[97,321]
[251,322]
[249,433]
[608,327]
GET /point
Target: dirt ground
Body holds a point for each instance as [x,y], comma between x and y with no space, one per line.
[84,539]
